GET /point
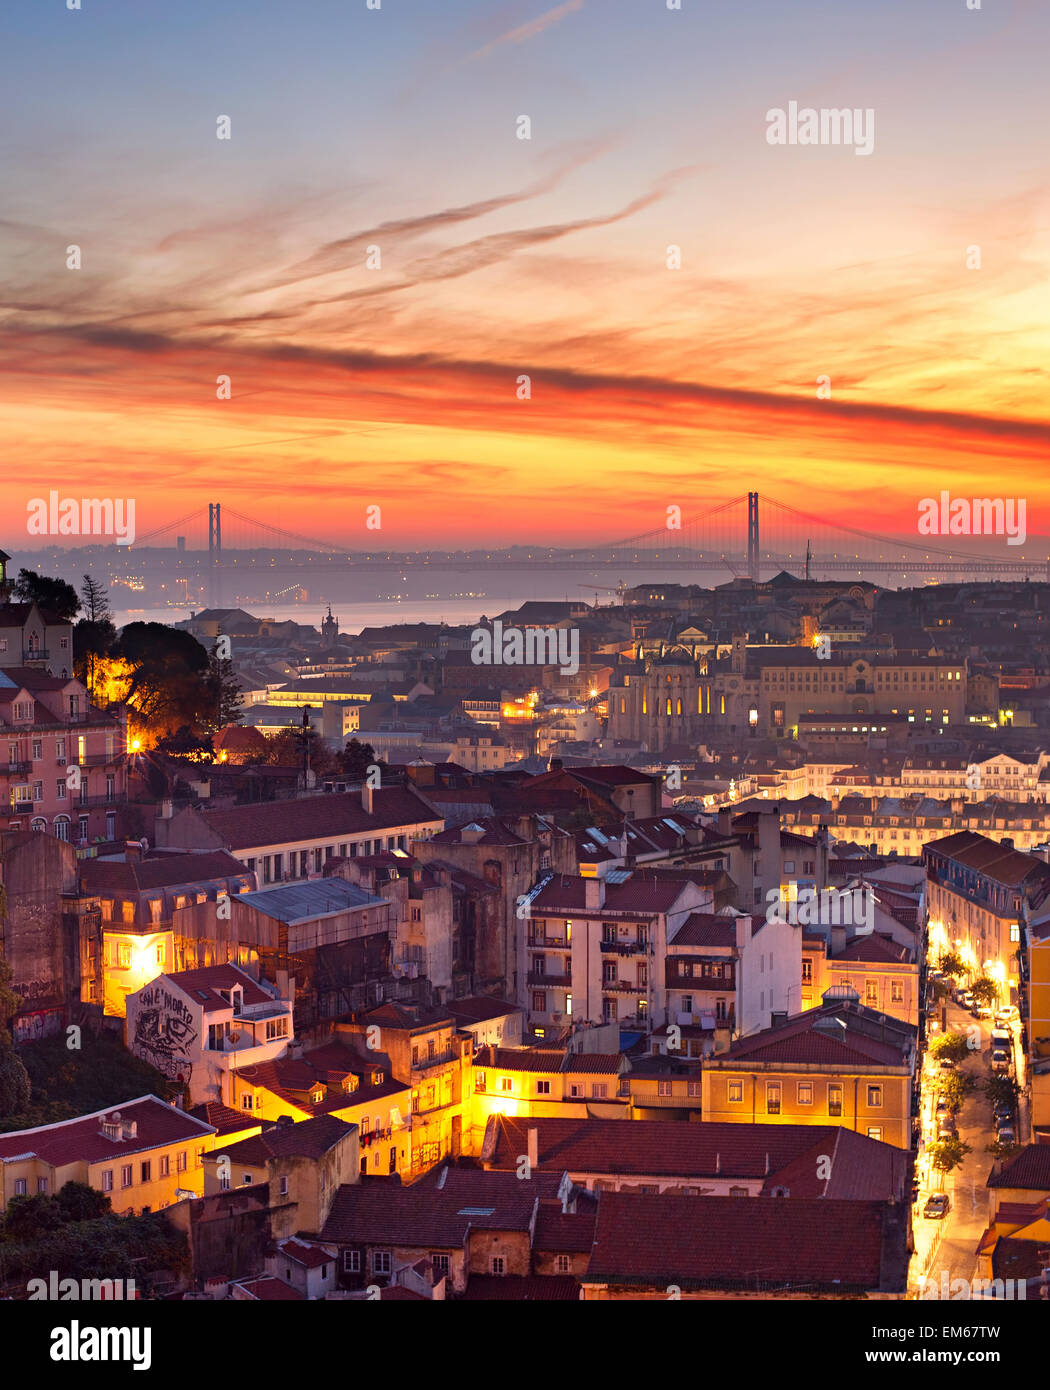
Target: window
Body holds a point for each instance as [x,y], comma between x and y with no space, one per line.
[694,1089]
[20,1187]
[561,1264]
[107,1180]
[805,1093]
[352,1261]
[440,1262]
[736,1092]
[896,992]
[807,972]
[772,1097]
[687,1003]
[663,1088]
[539,1001]
[575,1092]
[247,1100]
[543,1088]
[246,1179]
[380,1262]
[125,1175]
[874,1132]
[874,1096]
[499,1264]
[284,1187]
[506,1084]
[738,1192]
[871,992]
[41,1185]
[165,1165]
[599,1090]
[834,1098]
[479,1081]
[180,1161]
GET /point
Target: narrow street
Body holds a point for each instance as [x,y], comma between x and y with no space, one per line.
[950,1243]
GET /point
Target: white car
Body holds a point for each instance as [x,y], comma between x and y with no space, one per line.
[1006,1013]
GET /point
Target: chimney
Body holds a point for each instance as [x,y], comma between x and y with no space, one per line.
[130,1129]
[594,893]
[366,797]
[725,817]
[743,926]
[533,1149]
[132,850]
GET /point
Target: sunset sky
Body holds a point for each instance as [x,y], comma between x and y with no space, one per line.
[501,257]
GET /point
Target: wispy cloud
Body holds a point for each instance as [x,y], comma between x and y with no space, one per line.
[524,32]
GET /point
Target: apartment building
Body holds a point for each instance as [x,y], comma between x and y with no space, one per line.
[288,841]
[841,1063]
[143,1155]
[64,771]
[979,892]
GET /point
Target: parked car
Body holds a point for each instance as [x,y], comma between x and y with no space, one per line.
[937,1206]
[981,1011]
[946,1128]
[1002,1115]
[959,995]
[942,1105]
[1001,1038]
[1000,1059]
[1006,1013]
[945,1066]
[1007,1134]
[967,999]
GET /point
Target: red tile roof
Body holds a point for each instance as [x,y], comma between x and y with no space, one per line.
[319,818]
[734,1243]
[1028,1169]
[706,929]
[159,871]
[648,897]
[203,986]
[309,1256]
[819,1037]
[82,1139]
[222,1119]
[307,1139]
[778,1155]
[479,1008]
[563,1233]
[269,1290]
[522,1288]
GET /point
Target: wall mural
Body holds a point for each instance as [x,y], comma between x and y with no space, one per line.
[165,1032]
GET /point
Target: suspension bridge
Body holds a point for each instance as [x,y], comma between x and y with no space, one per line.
[747,536]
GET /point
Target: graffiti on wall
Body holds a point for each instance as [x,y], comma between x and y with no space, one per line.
[45,1023]
[165,1032]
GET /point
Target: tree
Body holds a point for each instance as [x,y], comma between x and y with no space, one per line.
[55,595]
[82,1203]
[184,743]
[950,1047]
[948,1153]
[984,991]
[951,964]
[955,1088]
[357,757]
[14,1079]
[163,676]
[30,1216]
[1001,1090]
[94,635]
[999,1148]
[225,694]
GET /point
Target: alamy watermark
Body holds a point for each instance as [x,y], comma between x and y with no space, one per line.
[531,646]
[981,516]
[964,1289]
[84,516]
[847,907]
[61,1290]
[829,126]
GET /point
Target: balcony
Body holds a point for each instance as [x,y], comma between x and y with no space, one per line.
[19,769]
[550,981]
[440,1059]
[36,654]
[626,948]
[623,987]
[92,803]
[537,943]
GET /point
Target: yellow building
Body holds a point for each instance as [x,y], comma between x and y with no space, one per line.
[879,969]
[330,1081]
[524,1082]
[840,1064]
[143,1155]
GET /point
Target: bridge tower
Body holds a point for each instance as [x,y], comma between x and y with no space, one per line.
[215,554]
[752,536]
